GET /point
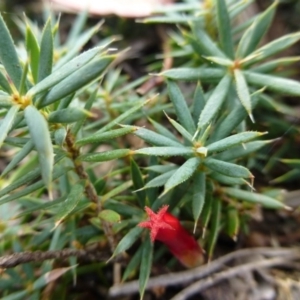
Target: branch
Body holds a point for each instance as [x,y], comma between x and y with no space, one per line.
[10,261]
[188,276]
[233,271]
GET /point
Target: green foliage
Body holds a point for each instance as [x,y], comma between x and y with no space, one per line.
[83,161]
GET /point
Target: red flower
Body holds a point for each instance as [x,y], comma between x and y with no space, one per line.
[166,228]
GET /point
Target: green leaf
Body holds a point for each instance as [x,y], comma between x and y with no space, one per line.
[159,180]
[109,216]
[180,129]
[105,136]
[162,130]
[127,241]
[264,200]
[28,147]
[276,64]
[198,198]
[134,263]
[233,222]
[105,155]
[4,83]
[165,151]
[68,115]
[188,74]
[146,265]
[122,208]
[8,55]
[138,182]
[243,91]
[41,138]
[33,52]
[60,136]
[7,122]
[204,42]
[65,208]
[16,296]
[215,225]
[198,102]
[242,151]
[77,46]
[254,34]
[233,140]
[46,52]
[224,28]
[220,61]
[206,212]
[274,83]
[231,121]
[32,188]
[227,179]
[65,71]
[183,173]
[293,162]
[271,48]
[182,111]
[78,79]
[214,102]
[287,177]
[226,168]
[154,138]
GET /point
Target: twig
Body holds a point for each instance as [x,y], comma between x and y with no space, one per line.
[10,261]
[234,271]
[89,188]
[188,276]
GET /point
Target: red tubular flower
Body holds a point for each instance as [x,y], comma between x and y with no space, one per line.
[166,228]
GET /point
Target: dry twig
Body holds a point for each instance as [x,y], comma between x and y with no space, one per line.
[188,276]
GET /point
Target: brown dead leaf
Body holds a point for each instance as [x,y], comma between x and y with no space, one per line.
[123,8]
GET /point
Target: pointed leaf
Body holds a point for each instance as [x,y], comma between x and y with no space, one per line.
[183,173]
[182,111]
[165,151]
[233,140]
[134,263]
[65,208]
[46,52]
[220,61]
[243,91]
[199,191]
[205,43]
[105,136]
[63,72]
[224,28]
[215,225]
[154,138]
[242,151]
[33,51]
[105,155]
[41,138]
[28,147]
[162,130]
[68,115]
[146,265]
[233,222]
[91,71]
[274,83]
[4,83]
[264,200]
[226,168]
[8,55]
[198,103]
[159,180]
[7,122]
[272,48]
[253,35]
[138,182]
[180,129]
[127,241]
[188,74]
[214,102]
[227,179]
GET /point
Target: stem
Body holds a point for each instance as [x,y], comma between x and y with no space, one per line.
[89,187]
